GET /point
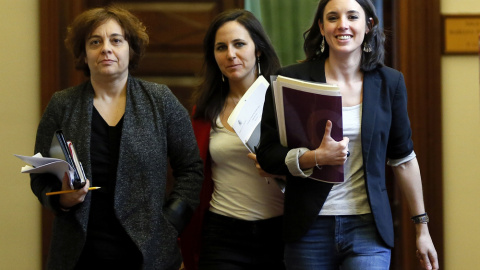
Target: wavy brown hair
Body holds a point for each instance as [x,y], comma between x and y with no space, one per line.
[85,23]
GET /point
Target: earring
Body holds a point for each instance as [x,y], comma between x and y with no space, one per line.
[223,78]
[366,47]
[258,63]
[322,45]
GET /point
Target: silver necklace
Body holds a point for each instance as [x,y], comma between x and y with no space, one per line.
[235,102]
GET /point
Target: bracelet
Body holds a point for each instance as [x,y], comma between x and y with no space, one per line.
[64,209]
[422,218]
[316,163]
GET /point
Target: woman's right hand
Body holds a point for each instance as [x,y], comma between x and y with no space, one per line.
[261,172]
[330,152]
[69,200]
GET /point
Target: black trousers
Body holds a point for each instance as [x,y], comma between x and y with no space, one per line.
[233,244]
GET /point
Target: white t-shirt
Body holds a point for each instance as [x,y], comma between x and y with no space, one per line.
[239,191]
[349,197]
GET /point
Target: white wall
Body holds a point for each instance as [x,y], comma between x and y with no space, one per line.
[19,113]
[461,146]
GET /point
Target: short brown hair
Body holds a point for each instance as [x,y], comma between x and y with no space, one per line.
[85,23]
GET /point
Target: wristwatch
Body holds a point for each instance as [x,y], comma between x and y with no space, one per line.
[422,218]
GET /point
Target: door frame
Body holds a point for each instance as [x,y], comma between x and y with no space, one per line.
[416,46]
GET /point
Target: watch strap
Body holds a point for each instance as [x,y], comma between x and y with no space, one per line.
[422,218]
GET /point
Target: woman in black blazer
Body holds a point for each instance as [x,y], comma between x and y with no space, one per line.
[348,225]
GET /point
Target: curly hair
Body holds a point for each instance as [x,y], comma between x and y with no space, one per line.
[375,38]
[85,23]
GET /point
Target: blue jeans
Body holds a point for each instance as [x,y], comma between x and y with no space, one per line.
[339,242]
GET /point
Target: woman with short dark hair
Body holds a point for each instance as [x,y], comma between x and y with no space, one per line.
[126,131]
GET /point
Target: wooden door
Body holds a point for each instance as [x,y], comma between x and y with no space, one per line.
[173,57]
[414,47]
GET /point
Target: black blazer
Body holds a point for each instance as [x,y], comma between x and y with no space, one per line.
[385,133]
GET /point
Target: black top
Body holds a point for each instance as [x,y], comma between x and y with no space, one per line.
[107,241]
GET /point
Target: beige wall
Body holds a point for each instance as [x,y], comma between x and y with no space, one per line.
[461,145]
[19,114]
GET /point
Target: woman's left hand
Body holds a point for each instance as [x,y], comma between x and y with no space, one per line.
[69,200]
[261,172]
[426,253]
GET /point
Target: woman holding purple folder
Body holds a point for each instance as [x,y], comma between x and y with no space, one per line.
[348,225]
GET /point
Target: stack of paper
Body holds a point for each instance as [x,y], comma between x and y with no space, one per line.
[246,117]
[40,164]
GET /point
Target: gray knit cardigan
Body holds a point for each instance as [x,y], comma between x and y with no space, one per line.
[156,130]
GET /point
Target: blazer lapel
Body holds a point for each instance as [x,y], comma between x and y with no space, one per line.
[371,95]
[317,71]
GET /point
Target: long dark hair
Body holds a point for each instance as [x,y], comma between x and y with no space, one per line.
[375,37]
[212,93]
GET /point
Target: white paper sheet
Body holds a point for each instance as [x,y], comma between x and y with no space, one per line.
[247,115]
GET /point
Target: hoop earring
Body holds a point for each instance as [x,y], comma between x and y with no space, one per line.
[367,48]
[258,63]
[223,78]
[322,45]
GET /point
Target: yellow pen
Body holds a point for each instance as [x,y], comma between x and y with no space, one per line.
[67,191]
